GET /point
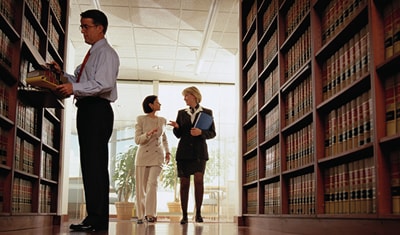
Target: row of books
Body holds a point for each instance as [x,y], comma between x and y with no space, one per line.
[272,198]
[251,75]
[251,138]
[395,180]
[24,158]
[251,15]
[302,194]
[251,106]
[56,7]
[252,204]
[251,45]
[270,13]
[272,123]
[36,7]
[3,146]
[54,37]
[29,33]
[251,169]
[27,118]
[336,15]
[346,65]
[295,14]
[350,188]
[4,100]
[270,49]
[46,166]
[22,196]
[2,181]
[298,101]
[7,9]
[5,49]
[391,24]
[392,103]
[349,126]
[299,148]
[48,134]
[45,198]
[271,84]
[298,54]
[272,161]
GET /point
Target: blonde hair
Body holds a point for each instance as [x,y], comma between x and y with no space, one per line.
[193,91]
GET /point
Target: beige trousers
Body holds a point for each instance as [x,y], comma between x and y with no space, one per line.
[146,190]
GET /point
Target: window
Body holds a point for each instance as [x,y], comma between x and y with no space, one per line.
[221,189]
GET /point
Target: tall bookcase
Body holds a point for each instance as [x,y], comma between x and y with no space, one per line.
[320,98]
[32,32]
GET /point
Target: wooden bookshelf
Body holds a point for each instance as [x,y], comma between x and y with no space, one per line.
[32,32]
[320,91]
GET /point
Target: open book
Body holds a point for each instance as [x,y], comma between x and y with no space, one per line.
[204,121]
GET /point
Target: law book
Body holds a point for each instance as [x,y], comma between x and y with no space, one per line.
[42,82]
[45,77]
[397,95]
[396,27]
[395,181]
[390,106]
[204,121]
[388,30]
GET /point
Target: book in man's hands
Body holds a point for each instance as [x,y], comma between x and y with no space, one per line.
[44,78]
[204,121]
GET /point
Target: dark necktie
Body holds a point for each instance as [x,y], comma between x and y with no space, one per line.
[83,65]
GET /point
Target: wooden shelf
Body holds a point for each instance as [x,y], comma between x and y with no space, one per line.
[30,119]
[325,164]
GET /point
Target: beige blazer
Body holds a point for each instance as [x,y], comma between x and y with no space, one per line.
[152,150]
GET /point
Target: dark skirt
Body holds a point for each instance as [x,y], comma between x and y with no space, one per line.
[189,167]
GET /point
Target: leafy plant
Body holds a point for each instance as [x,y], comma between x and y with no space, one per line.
[169,175]
[124,174]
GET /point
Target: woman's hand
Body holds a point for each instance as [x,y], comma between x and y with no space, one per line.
[151,132]
[195,131]
[167,158]
[173,124]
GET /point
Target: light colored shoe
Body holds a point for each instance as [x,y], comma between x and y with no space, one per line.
[150,219]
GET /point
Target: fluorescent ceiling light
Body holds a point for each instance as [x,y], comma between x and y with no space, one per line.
[208,29]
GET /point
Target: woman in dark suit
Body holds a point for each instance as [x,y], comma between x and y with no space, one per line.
[192,152]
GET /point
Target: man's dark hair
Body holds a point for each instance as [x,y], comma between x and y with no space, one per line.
[98,17]
[148,100]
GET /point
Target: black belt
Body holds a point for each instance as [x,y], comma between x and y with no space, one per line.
[90,100]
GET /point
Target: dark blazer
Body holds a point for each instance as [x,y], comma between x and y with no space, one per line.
[192,147]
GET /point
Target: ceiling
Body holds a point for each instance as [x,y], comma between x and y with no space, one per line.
[166,40]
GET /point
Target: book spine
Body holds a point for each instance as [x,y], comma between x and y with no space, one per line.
[390,106]
[388,30]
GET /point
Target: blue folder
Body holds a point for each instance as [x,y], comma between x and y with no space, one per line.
[204,121]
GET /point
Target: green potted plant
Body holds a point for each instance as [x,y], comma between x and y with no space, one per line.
[124,179]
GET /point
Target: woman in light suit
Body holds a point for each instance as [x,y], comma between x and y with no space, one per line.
[153,151]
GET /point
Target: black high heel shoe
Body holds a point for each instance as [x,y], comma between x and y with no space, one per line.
[184,220]
[199,219]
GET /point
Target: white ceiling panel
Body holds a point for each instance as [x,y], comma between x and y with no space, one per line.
[162,40]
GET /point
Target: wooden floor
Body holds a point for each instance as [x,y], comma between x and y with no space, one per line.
[121,227]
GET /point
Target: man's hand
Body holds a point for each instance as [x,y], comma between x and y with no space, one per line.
[65,90]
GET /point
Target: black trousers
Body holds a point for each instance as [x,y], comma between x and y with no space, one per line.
[95,120]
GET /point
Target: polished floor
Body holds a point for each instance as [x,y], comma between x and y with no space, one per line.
[121,227]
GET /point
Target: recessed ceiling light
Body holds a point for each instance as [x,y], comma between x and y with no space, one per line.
[157,67]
